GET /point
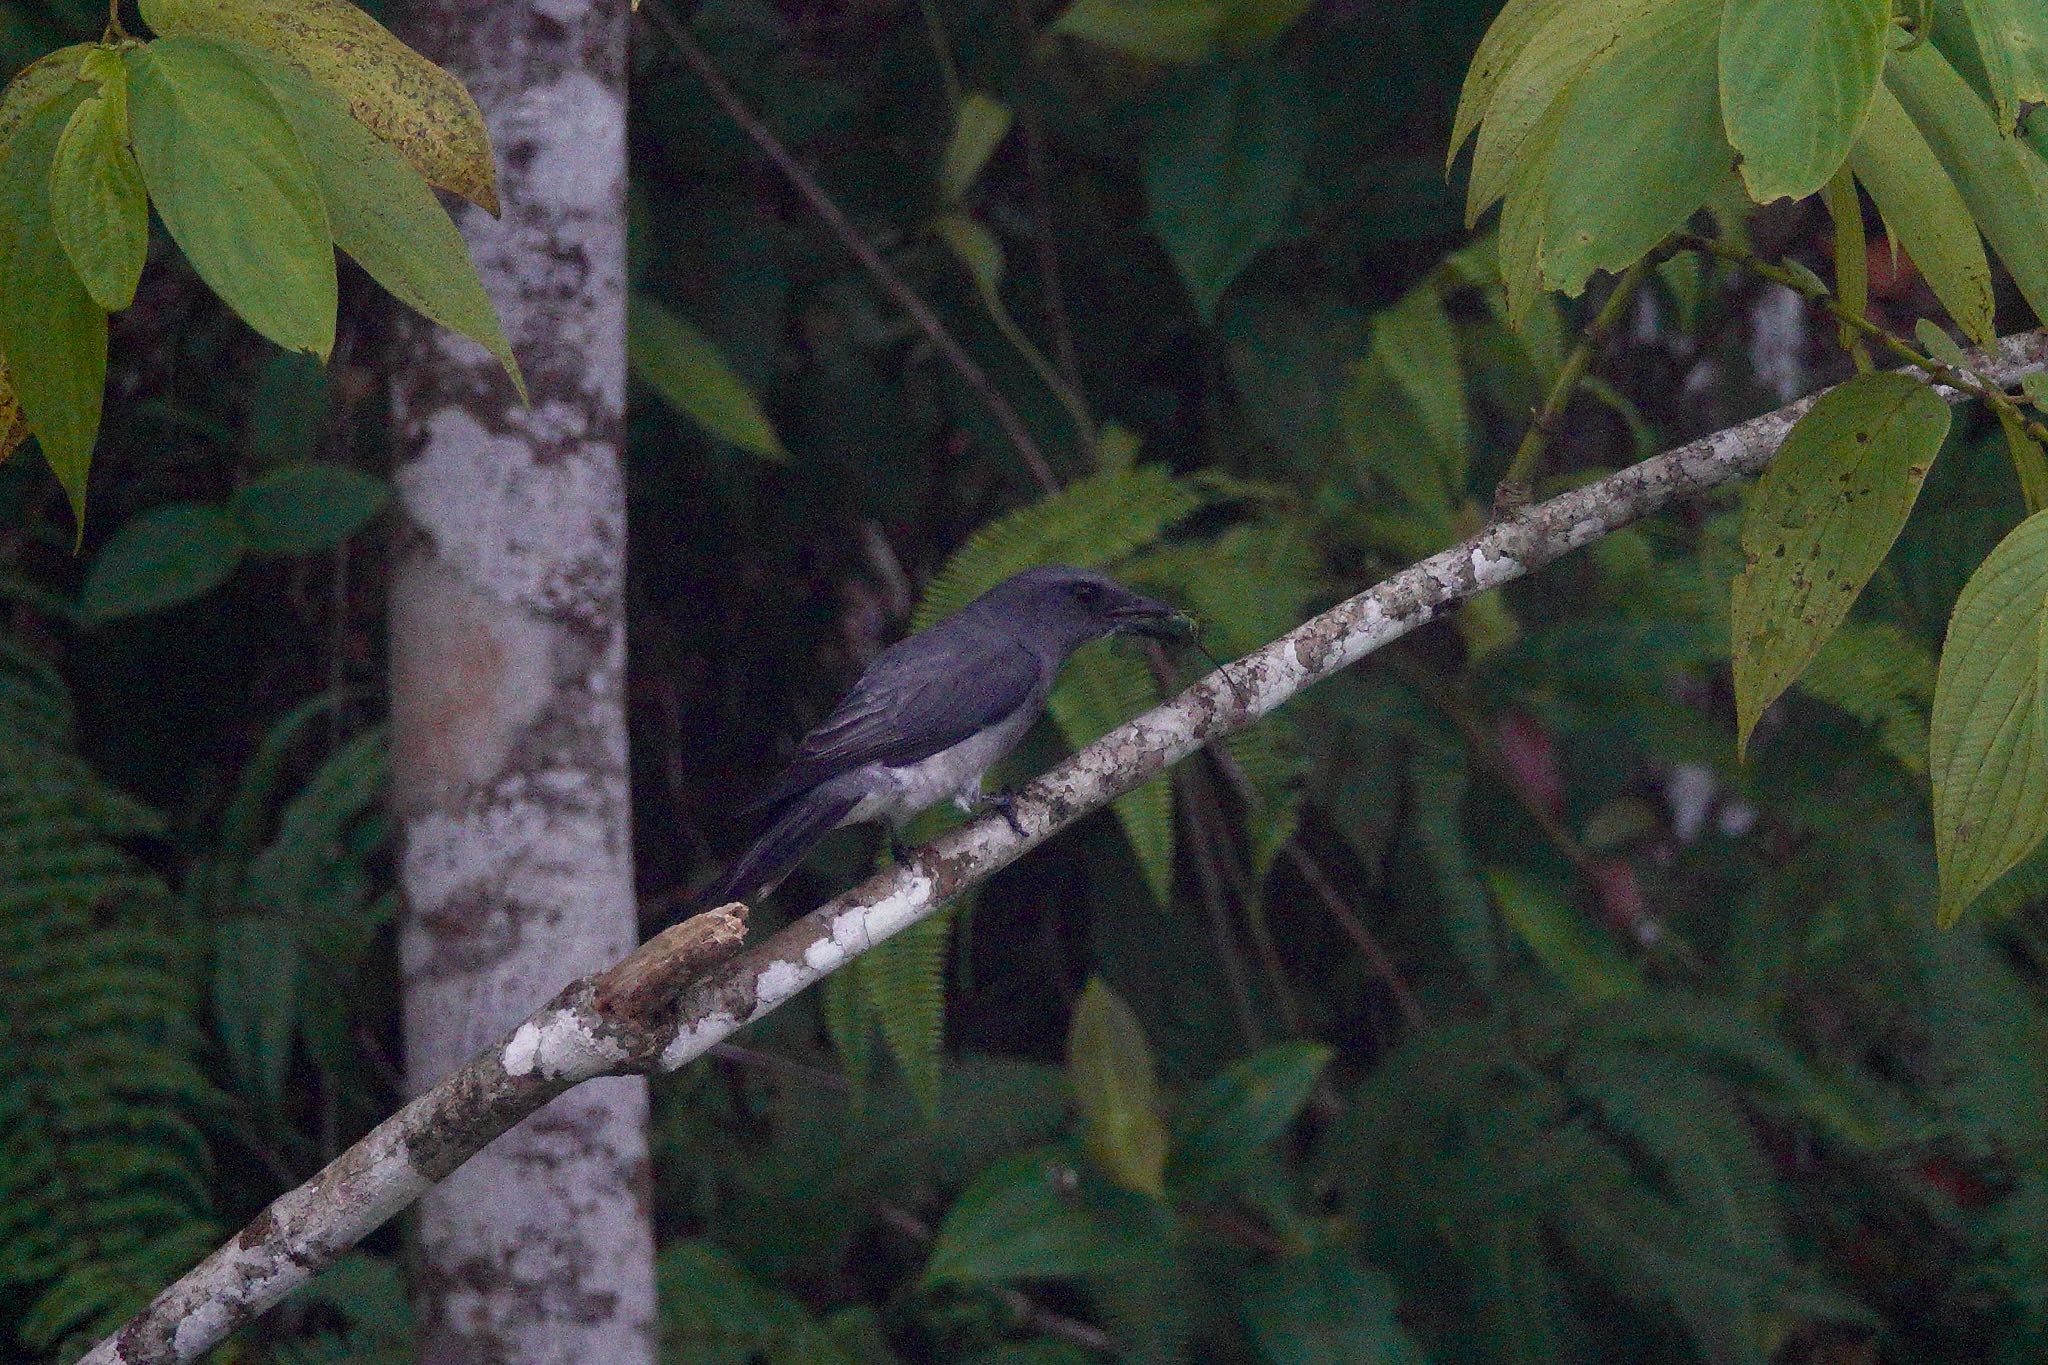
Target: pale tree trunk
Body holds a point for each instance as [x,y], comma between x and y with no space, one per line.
[508,669]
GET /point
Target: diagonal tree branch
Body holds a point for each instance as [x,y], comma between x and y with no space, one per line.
[687,990]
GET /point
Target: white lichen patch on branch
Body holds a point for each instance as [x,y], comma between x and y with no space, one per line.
[565,1045]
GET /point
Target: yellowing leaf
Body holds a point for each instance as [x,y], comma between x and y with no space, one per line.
[978,129]
[1989,746]
[976,248]
[383,215]
[2001,179]
[1639,146]
[13,421]
[1797,77]
[52,333]
[1925,214]
[1820,521]
[693,376]
[1511,32]
[38,83]
[96,196]
[1555,54]
[1110,1065]
[1157,30]
[399,95]
[232,184]
[2012,37]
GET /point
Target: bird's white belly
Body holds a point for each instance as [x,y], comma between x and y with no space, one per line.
[899,793]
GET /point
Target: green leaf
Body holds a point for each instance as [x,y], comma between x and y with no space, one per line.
[1252,24]
[169,554]
[2001,179]
[397,94]
[383,214]
[230,181]
[1820,521]
[1157,30]
[1925,213]
[1110,1065]
[1034,1216]
[1506,38]
[1797,77]
[2012,38]
[96,198]
[1988,743]
[1221,1129]
[903,987]
[1939,344]
[979,126]
[301,509]
[1639,146]
[1221,168]
[693,376]
[1585,960]
[1326,1309]
[1561,42]
[53,335]
[976,248]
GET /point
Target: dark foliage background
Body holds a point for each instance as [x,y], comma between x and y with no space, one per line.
[1480,1008]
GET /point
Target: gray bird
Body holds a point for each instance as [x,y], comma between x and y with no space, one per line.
[933,712]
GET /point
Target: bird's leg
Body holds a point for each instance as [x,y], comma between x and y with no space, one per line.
[899,852]
[1002,803]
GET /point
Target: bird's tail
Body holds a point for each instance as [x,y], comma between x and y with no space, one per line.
[772,856]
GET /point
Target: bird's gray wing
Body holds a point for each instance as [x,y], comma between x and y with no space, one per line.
[919,698]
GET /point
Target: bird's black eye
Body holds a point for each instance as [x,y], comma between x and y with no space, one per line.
[1087,594]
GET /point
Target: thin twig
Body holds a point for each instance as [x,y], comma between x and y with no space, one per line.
[884,275]
[1382,963]
[1038,181]
[1518,482]
[1210,878]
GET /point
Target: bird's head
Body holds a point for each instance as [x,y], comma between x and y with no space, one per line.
[1066,608]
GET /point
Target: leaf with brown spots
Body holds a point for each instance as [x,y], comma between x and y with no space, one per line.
[1820,522]
[392,90]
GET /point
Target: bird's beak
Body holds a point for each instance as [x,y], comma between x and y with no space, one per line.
[1154,620]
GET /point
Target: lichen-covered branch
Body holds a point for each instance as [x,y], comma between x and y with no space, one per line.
[687,990]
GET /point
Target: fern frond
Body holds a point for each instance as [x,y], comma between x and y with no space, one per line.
[1100,690]
[1438,777]
[104,1167]
[1246,585]
[1090,523]
[903,986]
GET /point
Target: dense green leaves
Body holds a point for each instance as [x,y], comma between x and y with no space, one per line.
[383,214]
[2012,40]
[2003,182]
[692,376]
[1796,81]
[1638,145]
[399,95]
[53,335]
[1925,213]
[232,183]
[97,203]
[1819,523]
[1990,742]
[1110,1064]
[1326,1309]
[1221,168]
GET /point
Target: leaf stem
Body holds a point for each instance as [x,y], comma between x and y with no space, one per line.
[1518,483]
[1809,287]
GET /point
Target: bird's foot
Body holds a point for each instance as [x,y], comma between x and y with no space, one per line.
[1003,804]
[899,852]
